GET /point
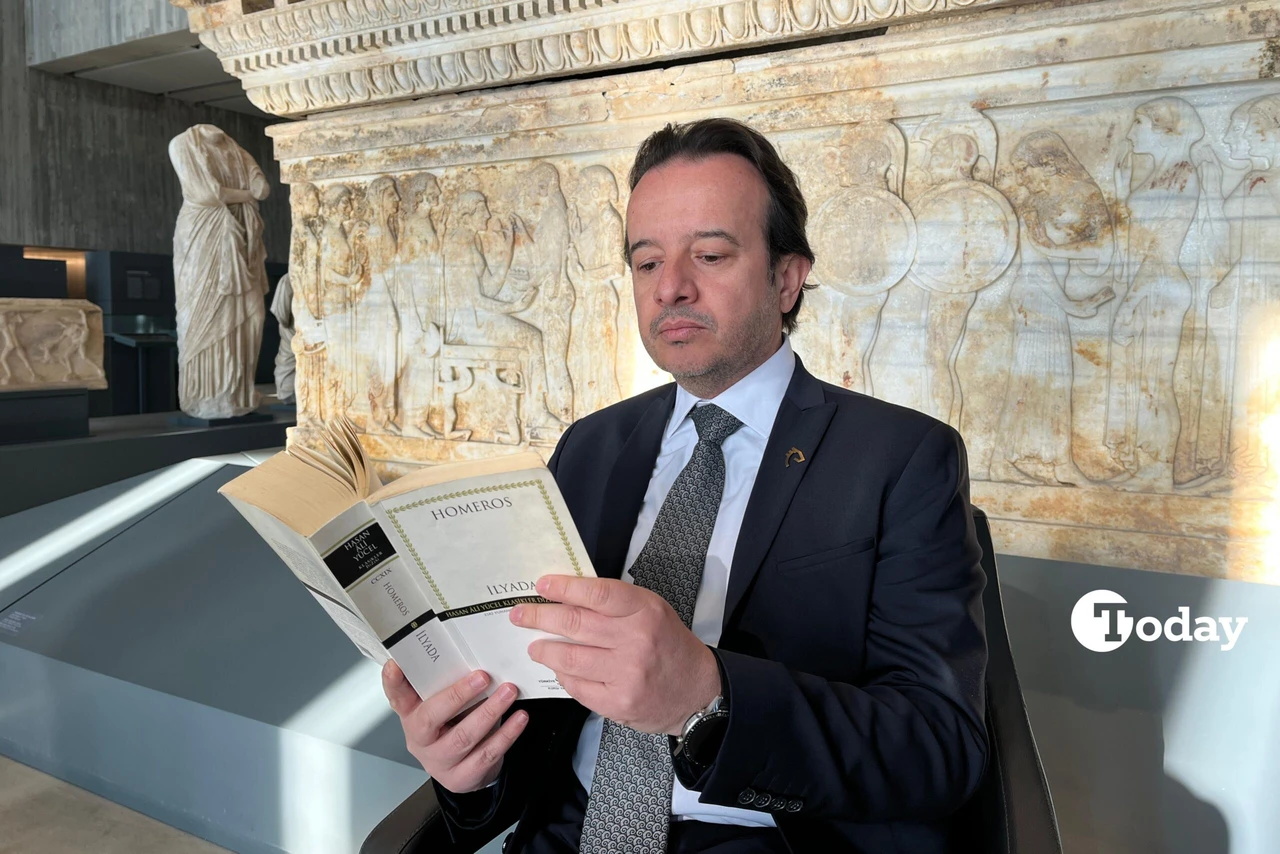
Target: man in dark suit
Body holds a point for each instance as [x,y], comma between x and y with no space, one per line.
[784,648]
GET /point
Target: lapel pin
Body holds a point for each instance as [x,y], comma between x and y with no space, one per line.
[794,454]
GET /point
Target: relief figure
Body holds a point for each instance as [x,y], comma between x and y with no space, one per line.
[70,353]
[1065,226]
[595,271]
[58,342]
[377,312]
[65,348]
[308,344]
[970,234]
[1202,372]
[1159,183]
[304,245]
[538,266]
[285,363]
[310,353]
[340,277]
[1253,285]
[865,240]
[478,255]
[11,347]
[419,300]
[219,273]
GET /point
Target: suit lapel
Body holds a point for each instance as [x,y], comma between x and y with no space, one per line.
[802,421]
[627,485]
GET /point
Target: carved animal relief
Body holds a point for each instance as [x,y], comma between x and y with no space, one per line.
[50,343]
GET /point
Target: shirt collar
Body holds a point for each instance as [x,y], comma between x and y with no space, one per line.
[753,400]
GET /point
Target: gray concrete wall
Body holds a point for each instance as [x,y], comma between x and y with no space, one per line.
[60,29]
[84,165]
[1158,747]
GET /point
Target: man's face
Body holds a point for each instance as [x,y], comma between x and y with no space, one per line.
[707,309]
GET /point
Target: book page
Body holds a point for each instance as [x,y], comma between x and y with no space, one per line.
[456,472]
[298,494]
[480,544]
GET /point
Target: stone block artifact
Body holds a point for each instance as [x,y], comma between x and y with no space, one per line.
[50,343]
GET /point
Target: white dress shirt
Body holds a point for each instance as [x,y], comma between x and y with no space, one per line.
[753,400]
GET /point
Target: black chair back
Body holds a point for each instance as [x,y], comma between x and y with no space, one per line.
[1012,812]
[417,827]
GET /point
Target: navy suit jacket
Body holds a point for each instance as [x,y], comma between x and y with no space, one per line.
[853,640]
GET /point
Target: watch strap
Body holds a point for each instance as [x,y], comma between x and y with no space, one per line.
[690,770]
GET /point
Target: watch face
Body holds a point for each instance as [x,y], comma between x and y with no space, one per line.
[703,741]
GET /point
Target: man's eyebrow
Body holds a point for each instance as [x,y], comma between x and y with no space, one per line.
[715,233]
[719,233]
[640,244]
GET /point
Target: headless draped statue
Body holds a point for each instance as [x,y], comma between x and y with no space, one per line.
[286,361]
[219,273]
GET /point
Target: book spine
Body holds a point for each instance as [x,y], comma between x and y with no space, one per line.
[365,563]
[302,558]
[456,638]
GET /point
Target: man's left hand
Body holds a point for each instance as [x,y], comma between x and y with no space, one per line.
[632,659]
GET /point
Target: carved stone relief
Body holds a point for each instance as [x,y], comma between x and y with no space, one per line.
[1064,228]
[50,343]
[971,233]
[1069,253]
[322,55]
[865,239]
[470,308]
[601,288]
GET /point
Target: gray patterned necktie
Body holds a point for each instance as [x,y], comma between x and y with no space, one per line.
[629,810]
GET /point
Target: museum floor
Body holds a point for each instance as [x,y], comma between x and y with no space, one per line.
[42,813]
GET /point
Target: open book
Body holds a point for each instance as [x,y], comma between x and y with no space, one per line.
[426,569]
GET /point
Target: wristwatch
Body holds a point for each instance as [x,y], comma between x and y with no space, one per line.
[702,733]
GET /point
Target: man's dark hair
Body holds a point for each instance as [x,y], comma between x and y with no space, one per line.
[787,213]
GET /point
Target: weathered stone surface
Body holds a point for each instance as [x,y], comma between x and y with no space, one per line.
[1054,227]
[50,343]
[300,58]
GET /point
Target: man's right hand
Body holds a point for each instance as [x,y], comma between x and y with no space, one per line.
[462,755]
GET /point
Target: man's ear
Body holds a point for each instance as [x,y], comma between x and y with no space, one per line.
[789,277]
